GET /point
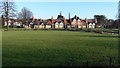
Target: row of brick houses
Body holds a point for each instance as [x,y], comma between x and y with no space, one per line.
[60,22]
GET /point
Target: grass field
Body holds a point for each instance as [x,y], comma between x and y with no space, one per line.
[54,48]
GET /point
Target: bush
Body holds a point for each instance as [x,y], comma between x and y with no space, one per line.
[88,30]
[98,31]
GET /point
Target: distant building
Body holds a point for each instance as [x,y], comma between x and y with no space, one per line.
[59,23]
[77,22]
[9,23]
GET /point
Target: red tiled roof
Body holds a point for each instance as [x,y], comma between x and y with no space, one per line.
[50,21]
[90,20]
[57,20]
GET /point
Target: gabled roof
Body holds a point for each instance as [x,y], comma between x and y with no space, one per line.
[60,17]
[57,20]
[91,20]
[50,21]
[75,17]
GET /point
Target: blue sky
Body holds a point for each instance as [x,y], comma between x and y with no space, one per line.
[45,10]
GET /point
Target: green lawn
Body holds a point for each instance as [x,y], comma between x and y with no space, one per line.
[54,48]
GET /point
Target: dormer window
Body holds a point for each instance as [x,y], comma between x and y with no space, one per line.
[74,20]
[79,20]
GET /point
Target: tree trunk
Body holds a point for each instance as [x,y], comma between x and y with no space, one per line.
[7,15]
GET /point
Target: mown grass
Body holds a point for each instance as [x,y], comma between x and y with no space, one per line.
[54,48]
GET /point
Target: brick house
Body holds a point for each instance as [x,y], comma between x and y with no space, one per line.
[77,22]
[60,22]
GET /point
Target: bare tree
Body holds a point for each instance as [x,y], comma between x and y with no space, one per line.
[7,10]
[25,14]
